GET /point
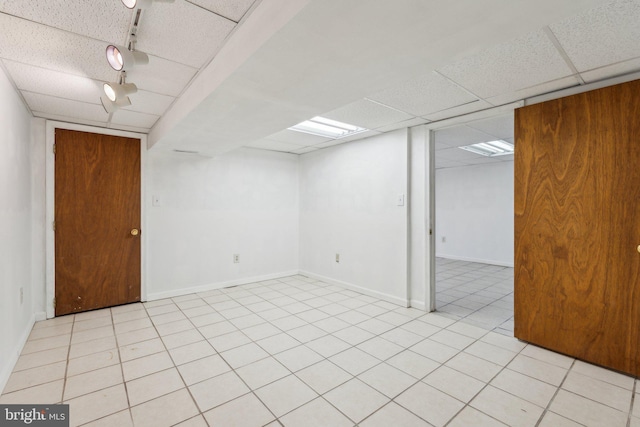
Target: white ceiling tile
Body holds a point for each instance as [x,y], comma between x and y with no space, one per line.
[161,76]
[358,136]
[442,163]
[182,32]
[331,143]
[65,107]
[366,114]
[481,160]
[459,155]
[128,128]
[543,88]
[427,94]
[457,136]
[149,102]
[305,150]
[69,119]
[459,110]
[106,20]
[47,47]
[403,124]
[523,62]
[267,144]
[232,9]
[299,138]
[601,36]
[355,137]
[618,69]
[500,127]
[55,83]
[133,118]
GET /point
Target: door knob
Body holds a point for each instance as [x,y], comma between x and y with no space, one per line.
[638,248]
[135,232]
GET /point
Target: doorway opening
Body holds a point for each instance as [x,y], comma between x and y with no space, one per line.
[474,223]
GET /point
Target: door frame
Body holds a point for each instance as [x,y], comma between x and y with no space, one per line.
[430,187]
[50,272]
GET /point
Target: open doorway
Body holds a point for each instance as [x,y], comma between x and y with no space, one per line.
[474,223]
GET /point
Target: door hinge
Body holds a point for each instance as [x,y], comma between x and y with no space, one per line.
[54,148]
[54,303]
[53,225]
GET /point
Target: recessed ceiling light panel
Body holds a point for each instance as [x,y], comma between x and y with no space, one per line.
[491,148]
[321,126]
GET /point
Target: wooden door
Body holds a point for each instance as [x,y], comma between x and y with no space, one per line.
[97,205]
[577,226]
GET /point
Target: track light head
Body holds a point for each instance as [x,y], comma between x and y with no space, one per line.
[118,91]
[110,106]
[142,4]
[120,58]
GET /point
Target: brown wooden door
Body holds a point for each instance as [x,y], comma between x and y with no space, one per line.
[97,205]
[577,226]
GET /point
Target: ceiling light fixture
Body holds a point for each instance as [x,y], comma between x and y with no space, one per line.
[120,58]
[118,91]
[321,126]
[142,4]
[111,106]
[491,148]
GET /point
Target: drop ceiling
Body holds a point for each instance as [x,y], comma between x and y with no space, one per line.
[229,73]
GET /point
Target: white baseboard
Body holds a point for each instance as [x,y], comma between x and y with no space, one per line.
[40,316]
[419,305]
[11,363]
[480,260]
[152,296]
[385,297]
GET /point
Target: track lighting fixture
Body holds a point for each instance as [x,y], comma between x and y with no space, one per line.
[118,91]
[120,58]
[142,4]
[111,106]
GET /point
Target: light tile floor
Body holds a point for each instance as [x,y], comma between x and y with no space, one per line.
[478,294]
[297,352]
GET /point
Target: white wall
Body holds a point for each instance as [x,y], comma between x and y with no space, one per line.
[474,211]
[16,318]
[244,202]
[348,205]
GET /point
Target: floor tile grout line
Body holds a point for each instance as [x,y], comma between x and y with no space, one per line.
[553,398]
[633,402]
[186,387]
[124,381]
[487,384]
[66,368]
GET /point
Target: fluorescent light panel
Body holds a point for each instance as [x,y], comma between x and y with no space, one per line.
[321,126]
[491,148]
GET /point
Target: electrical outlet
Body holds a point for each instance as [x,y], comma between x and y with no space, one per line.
[21,296]
[337,257]
[444,239]
[236,258]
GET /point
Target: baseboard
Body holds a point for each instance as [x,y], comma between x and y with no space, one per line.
[11,363]
[152,296]
[40,316]
[480,260]
[385,297]
[419,305]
